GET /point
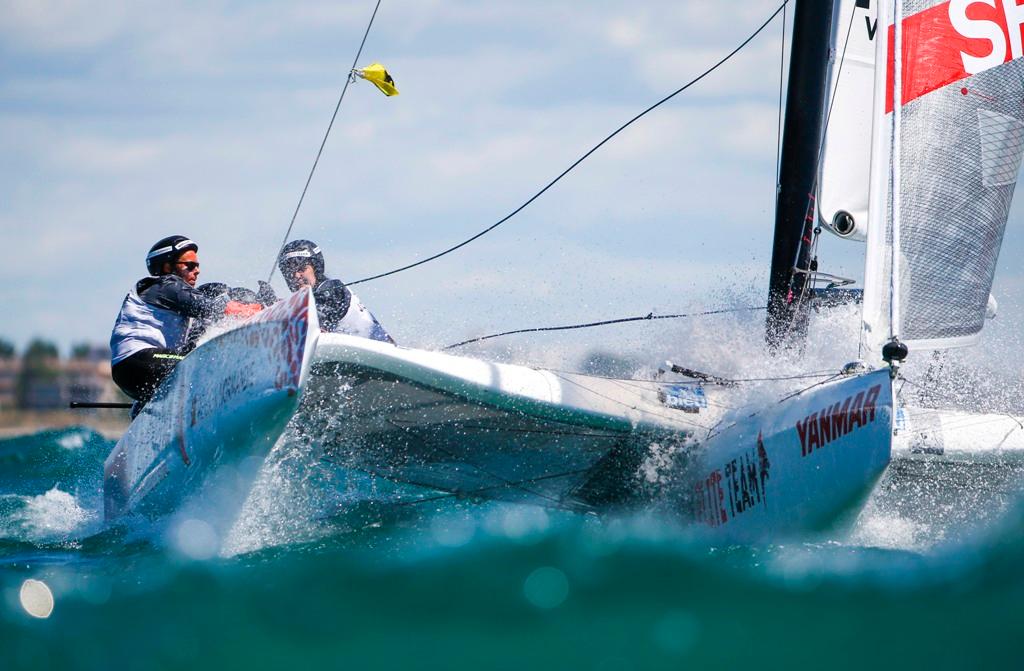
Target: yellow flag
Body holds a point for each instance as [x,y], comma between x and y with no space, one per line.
[379,77]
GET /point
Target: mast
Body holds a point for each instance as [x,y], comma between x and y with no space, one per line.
[801,142]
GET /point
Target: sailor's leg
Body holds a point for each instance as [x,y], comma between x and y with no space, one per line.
[140,375]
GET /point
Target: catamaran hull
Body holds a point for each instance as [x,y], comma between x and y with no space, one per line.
[488,430]
[797,466]
[227,400]
[514,433]
[957,436]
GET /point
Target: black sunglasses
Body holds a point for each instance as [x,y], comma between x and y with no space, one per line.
[290,266]
[189,265]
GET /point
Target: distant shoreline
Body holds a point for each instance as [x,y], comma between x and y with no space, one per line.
[110,423]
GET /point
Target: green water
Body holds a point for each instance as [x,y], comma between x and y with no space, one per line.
[369,582]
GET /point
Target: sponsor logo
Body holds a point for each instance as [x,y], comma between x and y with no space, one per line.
[735,488]
[688,398]
[952,41]
[820,428]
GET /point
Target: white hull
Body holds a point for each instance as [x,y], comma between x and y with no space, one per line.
[505,432]
[228,400]
[489,430]
[508,432]
[800,464]
[923,433]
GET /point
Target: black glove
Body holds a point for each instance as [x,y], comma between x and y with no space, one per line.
[212,289]
[243,295]
[266,294]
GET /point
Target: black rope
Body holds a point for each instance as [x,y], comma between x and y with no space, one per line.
[580,159]
[782,378]
[320,151]
[648,317]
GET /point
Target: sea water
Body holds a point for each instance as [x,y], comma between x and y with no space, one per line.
[331,569]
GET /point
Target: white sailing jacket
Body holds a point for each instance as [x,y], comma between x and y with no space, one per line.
[142,326]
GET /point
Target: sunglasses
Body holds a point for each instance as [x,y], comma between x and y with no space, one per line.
[189,265]
[292,266]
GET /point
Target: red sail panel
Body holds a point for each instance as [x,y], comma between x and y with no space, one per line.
[952,41]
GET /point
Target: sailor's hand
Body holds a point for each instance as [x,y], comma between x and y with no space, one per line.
[236,309]
[266,295]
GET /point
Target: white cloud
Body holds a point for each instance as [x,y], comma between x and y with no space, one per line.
[627,32]
[47,25]
[123,122]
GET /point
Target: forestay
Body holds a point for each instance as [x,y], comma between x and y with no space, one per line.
[944,166]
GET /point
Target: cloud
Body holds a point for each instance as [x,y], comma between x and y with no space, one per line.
[42,26]
[124,122]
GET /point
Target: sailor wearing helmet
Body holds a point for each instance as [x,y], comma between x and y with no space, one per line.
[302,264]
[152,329]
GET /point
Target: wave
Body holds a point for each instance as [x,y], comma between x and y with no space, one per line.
[468,586]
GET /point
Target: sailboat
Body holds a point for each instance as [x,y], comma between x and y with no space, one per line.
[481,429]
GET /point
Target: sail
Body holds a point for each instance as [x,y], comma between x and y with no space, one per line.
[944,166]
[846,154]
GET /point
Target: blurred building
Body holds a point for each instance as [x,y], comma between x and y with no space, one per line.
[39,383]
[10,370]
[86,377]
[40,380]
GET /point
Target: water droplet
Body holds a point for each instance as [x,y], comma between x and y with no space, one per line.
[196,539]
[36,598]
[452,530]
[547,587]
[522,522]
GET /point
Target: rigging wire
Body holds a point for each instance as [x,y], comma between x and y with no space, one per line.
[809,375]
[926,389]
[631,406]
[648,317]
[828,379]
[580,159]
[503,481]
[778,133]
[348,80]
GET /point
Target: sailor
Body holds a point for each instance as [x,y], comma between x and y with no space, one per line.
[339,310]
[152,330]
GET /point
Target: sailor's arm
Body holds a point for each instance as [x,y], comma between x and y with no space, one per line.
[335,302]
[184,299]
[332,301]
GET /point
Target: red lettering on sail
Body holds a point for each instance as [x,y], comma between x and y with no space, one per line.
[952,41]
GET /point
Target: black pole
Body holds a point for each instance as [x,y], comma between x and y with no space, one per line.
[87,404]
[801,141]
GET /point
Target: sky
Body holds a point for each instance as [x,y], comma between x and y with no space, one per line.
[123,122]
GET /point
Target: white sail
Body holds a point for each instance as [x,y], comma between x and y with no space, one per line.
[943,176]
[846,155]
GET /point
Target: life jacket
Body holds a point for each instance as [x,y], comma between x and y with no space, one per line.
[142,326]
